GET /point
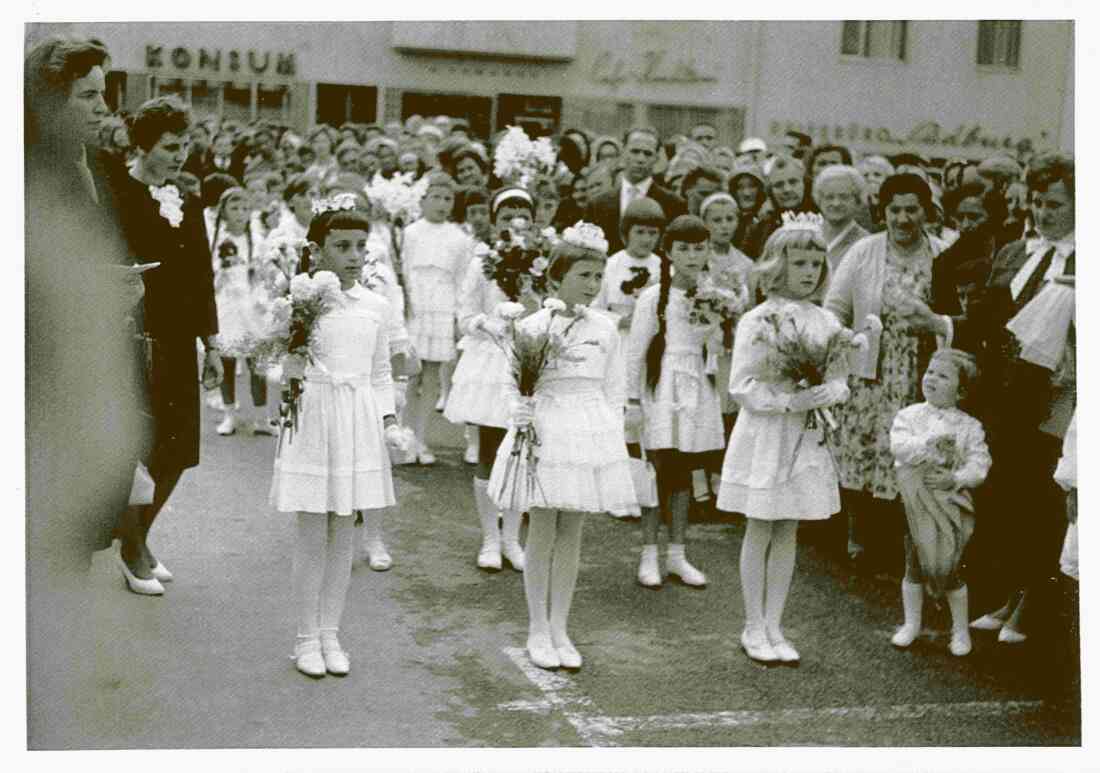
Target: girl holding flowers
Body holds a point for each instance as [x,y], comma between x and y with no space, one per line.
[790,361]
[671,394]
[435,255]
[940,455]
[578,463]
[482,384]
[335,462]
[240,289]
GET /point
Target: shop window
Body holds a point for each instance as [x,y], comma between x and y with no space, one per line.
[237,101]
[338,104]
[676,119]
[999,43]
[273,103]
[477,110]
[177,87]
[874,39]
[115,95]
[538,116]
[599,116]
[205,96]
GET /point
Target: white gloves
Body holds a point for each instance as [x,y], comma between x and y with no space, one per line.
[814,397]
[397,437]
[632,421]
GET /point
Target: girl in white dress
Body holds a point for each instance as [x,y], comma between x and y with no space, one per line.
[777,472]
[672,396]
[483,387]
[434,258]
[940,455]
[242,302]
[336,462]
[583,467]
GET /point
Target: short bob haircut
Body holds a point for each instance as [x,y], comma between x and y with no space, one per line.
[324,224]
[469,151]
[845,155]
[157,117]
[771,270]
[213,185]
[964,364]
[993,202]
[701,173]
[642,211]
[50,69]
[904,184]
[841,172]
[563,256]
[297,185]
[685,228]
[1049,169]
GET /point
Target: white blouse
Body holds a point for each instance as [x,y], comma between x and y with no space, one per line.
[434,259]
[622,267]
[916,428]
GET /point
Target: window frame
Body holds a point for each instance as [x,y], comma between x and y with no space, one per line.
[864,43]
[997,67]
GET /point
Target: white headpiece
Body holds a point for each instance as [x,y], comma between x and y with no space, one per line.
[339,202]
[802,221]
[585,235]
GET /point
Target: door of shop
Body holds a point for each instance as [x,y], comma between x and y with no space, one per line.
[477,110]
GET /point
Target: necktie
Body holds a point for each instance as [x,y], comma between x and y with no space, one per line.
[1035,281]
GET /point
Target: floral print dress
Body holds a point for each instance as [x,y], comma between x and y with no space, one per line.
[861,446]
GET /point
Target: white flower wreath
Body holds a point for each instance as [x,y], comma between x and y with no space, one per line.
[585,235]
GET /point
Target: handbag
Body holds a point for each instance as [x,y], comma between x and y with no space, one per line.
[645,480]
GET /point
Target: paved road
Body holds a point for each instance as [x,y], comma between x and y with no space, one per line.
[435,644]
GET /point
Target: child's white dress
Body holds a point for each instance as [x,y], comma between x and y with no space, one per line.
[434,259]
[241,296]
[624,267]
[762,476]
[582,460]
[481,385]
[381,281]
[684,412]
[735,266]
[337,461]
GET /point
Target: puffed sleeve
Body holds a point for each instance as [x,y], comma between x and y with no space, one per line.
[748,366]
[907,441]
[381,376]
[975,452]
[642,329]
[614,385]
[470,311]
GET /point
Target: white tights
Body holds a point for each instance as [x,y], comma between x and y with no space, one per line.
[421,397]
[323,550]
[767,565]
[553,557]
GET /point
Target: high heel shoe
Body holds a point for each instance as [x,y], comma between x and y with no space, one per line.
[150,587]
[160,572]
[1011,636]
[987,623]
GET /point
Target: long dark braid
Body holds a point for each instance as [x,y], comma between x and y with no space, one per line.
[656,350]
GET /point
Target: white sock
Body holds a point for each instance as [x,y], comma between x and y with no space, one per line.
[487,513]
[649,552]
[308,571]
[338,559]
[780,571]
[563,574]
[510,532]
[372,526]
[675,552]
[754,548]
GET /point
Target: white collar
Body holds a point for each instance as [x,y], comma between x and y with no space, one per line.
[638,261]
[642,187]
[1064,246]
[355,291]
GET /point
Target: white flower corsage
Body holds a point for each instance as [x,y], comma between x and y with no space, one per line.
[171,203]
[539,265]
[554,304]
[510,311]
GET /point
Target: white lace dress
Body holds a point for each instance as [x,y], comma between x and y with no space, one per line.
[241,297]
[684,412]
[337,461]
[481,386]
[582,460]
[775,468]
[434,258]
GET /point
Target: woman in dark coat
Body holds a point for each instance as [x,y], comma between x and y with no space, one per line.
[163,225]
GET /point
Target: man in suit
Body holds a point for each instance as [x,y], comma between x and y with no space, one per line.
[640,152]
[1027,408]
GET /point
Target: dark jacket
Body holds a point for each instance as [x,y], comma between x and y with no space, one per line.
[604,212]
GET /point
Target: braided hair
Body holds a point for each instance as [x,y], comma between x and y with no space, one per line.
[685,228]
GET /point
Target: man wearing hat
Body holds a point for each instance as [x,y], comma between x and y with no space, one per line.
[752,150]
[606,211]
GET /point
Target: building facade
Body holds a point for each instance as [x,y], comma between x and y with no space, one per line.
[965,88]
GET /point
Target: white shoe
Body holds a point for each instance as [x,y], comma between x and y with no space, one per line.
[758,648]
[542,652]
[905,636]
[568,656]
[514,553]
[150,587]
[1011,636]
[470,457]
[379,557]
[488,557]
[649,572]
[687,573]
[265,427]
[783,649]
[335,659]
[424,456]
[308,659]
[987,623]
[228,425]
[160,571]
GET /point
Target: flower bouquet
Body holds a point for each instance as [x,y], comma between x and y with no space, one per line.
[516,263]
[518,160]
[713,301]
[289,338]
[399,197]
[530,355]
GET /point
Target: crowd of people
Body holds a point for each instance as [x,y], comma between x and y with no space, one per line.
[926,452]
